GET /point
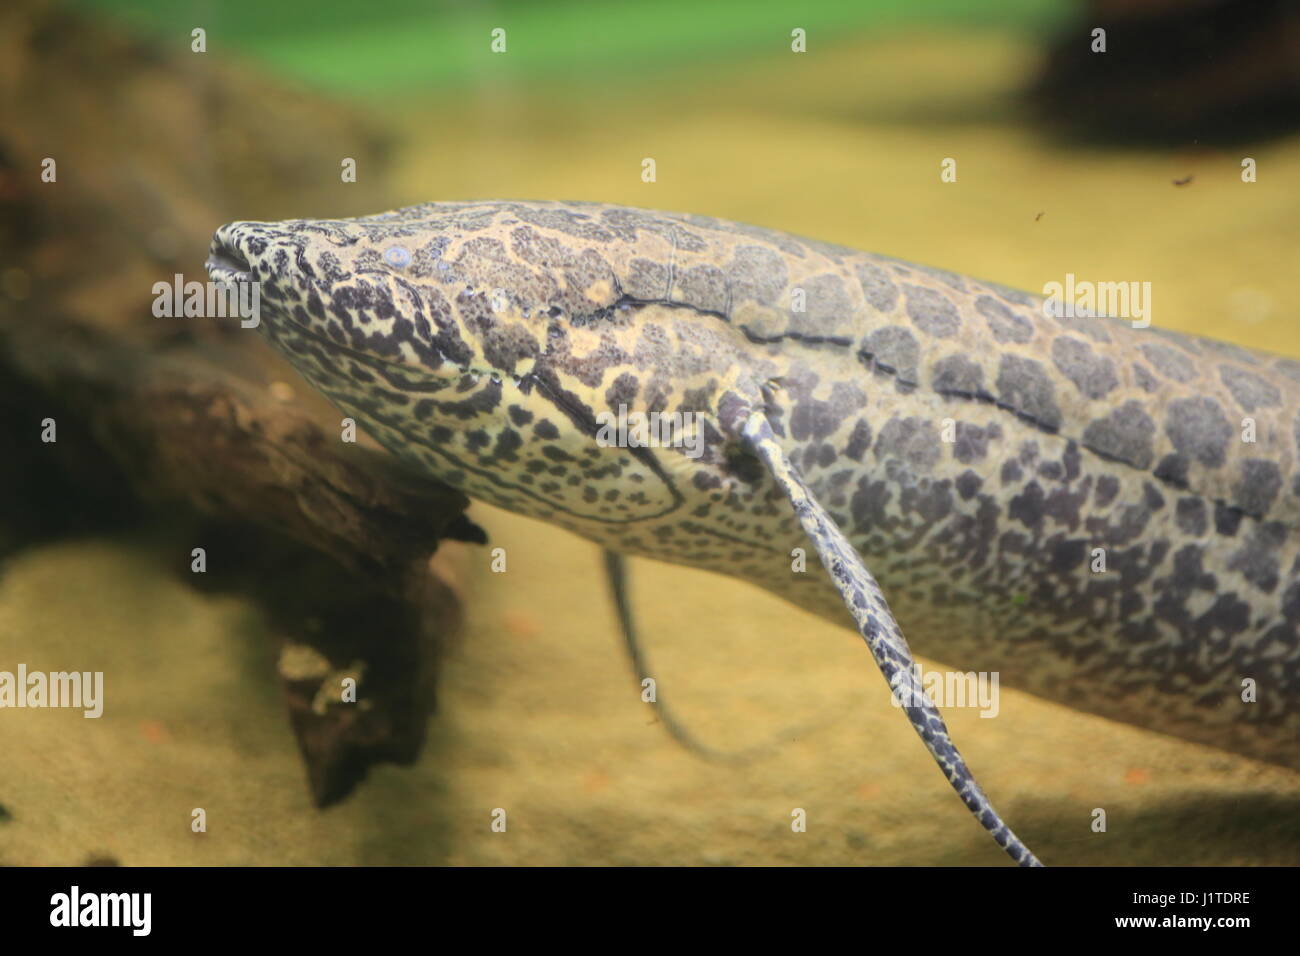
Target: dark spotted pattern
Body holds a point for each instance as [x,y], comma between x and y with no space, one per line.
[1198,429]
[978,452]
[862,596]
[1250,391]
[1125,435]
[1094,376]
[932,311]
[1025,387]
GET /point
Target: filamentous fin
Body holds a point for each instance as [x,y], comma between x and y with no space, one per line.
[878,628]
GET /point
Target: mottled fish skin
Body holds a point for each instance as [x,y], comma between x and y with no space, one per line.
[479,340]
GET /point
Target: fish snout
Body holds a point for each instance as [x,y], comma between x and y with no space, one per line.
[234,249]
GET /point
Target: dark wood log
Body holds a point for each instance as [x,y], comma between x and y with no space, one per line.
[193,424]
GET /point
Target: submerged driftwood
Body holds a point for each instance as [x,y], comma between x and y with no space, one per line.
[117,160]
[1173,73]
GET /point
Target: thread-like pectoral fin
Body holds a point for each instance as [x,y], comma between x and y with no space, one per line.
[876,623]
[616,571]
[617,574]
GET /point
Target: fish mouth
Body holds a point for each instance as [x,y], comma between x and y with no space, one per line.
[226,264]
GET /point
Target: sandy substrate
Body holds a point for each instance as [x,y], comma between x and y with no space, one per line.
[542,719]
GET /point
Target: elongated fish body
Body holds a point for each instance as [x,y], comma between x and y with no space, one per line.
[1104,515]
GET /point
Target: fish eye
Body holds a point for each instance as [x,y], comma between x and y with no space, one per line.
[397,256]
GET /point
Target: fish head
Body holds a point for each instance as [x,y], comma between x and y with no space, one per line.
[522,352]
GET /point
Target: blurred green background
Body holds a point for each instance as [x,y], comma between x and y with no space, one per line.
[404,46]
